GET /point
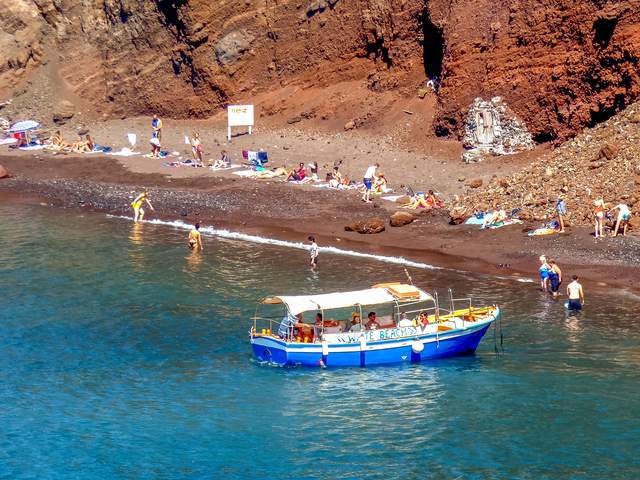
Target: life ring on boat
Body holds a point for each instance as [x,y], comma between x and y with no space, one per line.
[417,346]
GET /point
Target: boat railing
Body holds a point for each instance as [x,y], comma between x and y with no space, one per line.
[266,325]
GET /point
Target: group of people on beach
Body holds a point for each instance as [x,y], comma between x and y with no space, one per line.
[620,212]
[551,279]
[57,142]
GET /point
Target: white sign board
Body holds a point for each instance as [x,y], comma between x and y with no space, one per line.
[239,116]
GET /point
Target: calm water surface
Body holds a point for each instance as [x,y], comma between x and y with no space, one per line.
[122,355]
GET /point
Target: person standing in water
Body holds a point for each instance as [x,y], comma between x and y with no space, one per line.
[156,125]
[138,211]
[313,251]
[544,273]
[555,278]
[575,294]
[195,239]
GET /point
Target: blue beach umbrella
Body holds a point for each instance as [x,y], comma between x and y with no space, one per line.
[24,126]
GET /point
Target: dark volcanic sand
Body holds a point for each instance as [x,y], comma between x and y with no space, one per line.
[279,210]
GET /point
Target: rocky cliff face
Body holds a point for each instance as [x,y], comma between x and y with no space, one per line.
[559,64]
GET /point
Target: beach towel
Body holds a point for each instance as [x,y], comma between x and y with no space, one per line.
[301,182]
[245,173]
[181,163]
[392,198]
[230,167]
[132,139]
[8,141]
[100,148]
[32,147]
[124,152]
[475,220]
[542,231]
[508,221]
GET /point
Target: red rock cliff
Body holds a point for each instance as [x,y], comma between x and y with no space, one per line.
[560,65]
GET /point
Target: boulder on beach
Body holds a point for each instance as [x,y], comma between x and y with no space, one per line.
[400,219]
[374,225]
[63,112]
[475,183]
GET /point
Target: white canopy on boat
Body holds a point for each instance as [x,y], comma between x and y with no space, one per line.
[371,296]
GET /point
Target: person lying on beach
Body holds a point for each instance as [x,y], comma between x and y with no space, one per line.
[419,201]
[494,217]
[195,239]
[297,175]
[223,162]
[276,172]
[57,143]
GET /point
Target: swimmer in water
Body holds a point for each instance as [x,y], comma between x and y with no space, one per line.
[138,211]
[195,239]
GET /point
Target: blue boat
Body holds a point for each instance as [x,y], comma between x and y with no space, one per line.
[387,323]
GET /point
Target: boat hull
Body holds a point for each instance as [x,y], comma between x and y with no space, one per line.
[400,350]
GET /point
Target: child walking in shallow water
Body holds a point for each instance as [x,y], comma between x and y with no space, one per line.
[138,211]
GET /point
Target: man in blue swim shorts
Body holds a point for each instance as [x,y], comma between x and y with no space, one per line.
[575,294]
[369,176]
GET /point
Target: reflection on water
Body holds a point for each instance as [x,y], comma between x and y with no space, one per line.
[117,343]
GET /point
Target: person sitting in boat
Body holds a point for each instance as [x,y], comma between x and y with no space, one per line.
[356,324]
[372,322]
[421,320]
[404,321]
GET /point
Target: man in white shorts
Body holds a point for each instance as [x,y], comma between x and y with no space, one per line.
[624,215]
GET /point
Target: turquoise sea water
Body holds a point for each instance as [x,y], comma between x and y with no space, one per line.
[123,355]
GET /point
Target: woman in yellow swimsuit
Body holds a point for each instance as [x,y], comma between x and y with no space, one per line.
[138,211]
[195,239]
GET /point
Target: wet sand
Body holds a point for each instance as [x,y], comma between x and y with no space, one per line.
[283,211]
